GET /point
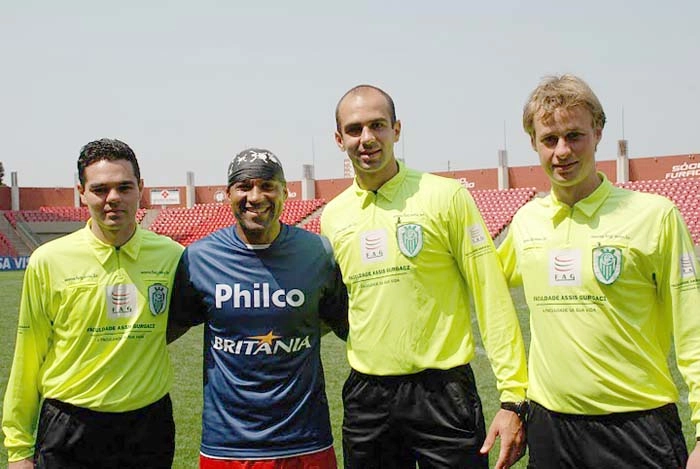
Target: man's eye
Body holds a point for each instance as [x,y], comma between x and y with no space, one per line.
[353,131]
[550,141]
[377,125]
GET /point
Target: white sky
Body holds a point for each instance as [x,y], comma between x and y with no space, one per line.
[187,84]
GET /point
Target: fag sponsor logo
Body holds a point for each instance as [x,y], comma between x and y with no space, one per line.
[121,300]
[268,344]
[373,245]
[565,268]
[259,297]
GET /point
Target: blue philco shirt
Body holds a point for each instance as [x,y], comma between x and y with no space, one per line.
[264,392]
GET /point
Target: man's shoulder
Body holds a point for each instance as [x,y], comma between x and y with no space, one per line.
[163,242]
[645,201]
[214,241]
[338,206]
[66,244]
[337,201]
[307,240]
[435,182]
[534,208]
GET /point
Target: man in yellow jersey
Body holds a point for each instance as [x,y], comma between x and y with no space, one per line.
[91,373]
[413,250]
[610,277]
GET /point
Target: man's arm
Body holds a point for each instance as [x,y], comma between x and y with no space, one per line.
[694,458]
[334,305]
[186,305]
[509,427]
[22,464]
[678,287]
[498,322]
[22,399]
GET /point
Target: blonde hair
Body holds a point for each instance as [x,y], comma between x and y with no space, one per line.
[561,92]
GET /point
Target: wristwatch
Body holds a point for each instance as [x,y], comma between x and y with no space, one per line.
[520,408]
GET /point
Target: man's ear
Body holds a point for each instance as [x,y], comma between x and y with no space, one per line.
[397,130]
[81,191]
[339,140]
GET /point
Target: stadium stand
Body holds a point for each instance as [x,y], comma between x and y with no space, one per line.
[11,217]
[497,207]
[6,247]
[188,225]
[313,225]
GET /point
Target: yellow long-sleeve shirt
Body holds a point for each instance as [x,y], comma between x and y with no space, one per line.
[91,331]
[608,282]
[412,254]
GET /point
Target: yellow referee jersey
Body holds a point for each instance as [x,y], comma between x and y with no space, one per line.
[608,282]
[91,332]
[412,254]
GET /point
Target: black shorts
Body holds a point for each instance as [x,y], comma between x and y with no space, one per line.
[635,440]
[433,417]
[70,437]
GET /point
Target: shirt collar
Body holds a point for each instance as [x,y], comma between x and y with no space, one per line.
[588,205]
[388,190]
[102,251]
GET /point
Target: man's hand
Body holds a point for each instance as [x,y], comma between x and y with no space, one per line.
[22,464]
[509,427]
[694,458]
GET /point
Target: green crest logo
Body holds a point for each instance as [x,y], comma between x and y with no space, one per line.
[410,238]
[607,264]
[157,297]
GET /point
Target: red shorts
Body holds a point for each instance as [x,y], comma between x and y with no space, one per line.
[320,460]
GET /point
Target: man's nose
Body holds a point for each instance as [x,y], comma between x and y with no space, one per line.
[113,195]
[563,149]
[254,194]
[367,135]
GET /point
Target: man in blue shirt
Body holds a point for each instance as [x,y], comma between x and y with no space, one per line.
[262,289]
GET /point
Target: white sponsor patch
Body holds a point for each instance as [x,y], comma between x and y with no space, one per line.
[687,265]
[565,268]
[373,246]
[122,300]
[476,233]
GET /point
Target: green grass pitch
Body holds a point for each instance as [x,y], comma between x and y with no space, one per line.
[187,392]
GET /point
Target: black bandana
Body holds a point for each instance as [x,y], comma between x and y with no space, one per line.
[254,163]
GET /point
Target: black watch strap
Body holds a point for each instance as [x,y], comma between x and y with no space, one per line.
[520,408]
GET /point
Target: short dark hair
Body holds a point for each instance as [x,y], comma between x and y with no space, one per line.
[106,149]
[359,88]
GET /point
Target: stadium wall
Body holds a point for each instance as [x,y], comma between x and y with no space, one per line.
[648,168]
[5,200]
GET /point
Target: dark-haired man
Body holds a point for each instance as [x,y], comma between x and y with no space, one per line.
[263,289]
[91,335]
